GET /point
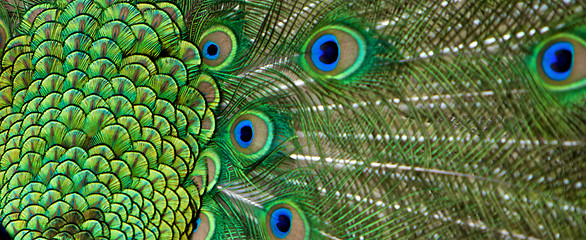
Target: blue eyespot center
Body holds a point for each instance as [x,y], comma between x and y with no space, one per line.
[211,50]
[330,52]
[197,223]
[244,133]
[564,61]
[281,222]
[325,53]
[284,223]
[558,61]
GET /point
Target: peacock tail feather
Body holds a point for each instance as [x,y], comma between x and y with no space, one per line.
[235,119]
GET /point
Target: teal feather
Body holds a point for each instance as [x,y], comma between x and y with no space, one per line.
[229,119]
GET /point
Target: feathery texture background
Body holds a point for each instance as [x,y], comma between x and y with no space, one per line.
[293,119]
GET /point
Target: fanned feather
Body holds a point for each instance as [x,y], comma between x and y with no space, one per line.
[220,119]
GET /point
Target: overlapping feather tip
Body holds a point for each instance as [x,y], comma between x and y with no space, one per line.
[227,119]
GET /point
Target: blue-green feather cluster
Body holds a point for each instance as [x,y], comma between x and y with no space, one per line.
[221,119]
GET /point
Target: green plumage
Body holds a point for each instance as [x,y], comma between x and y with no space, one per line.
[292,119]
[106,121]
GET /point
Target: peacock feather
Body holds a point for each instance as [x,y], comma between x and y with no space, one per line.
[295,119]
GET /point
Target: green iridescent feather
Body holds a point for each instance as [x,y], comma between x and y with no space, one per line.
[221,119]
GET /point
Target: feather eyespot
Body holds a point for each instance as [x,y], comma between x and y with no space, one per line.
[218,47]
[325,53]
[204,227]
[334,51]
[244,133]
[251,133]
[556,60]
[281,222]
[285,221]
[197,223]
[211,51]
